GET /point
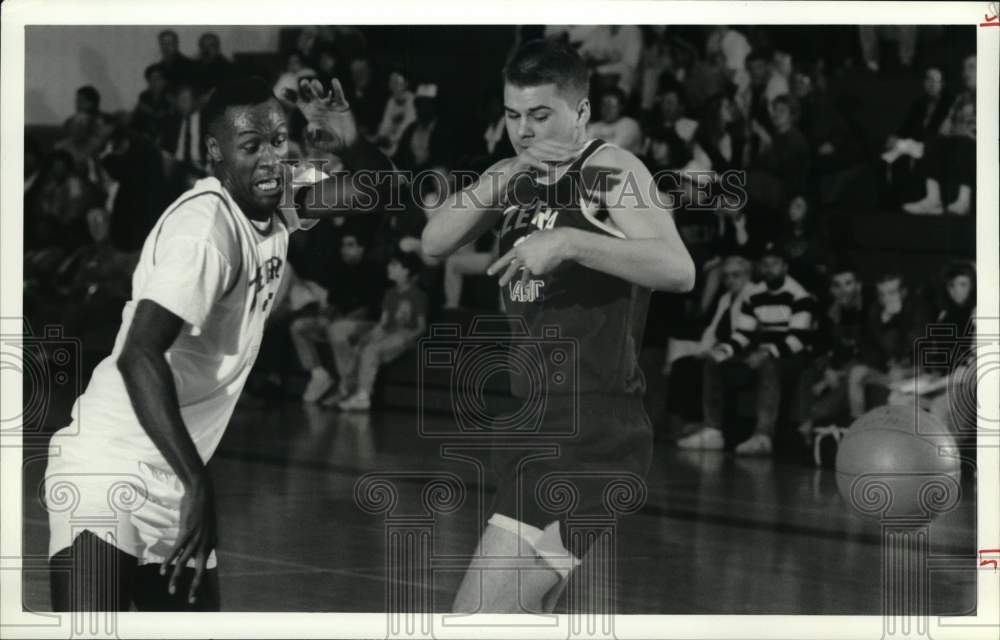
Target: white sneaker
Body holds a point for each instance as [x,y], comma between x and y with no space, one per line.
[319,383]
[358,402]
[755,445]
[706,439]
[924,207]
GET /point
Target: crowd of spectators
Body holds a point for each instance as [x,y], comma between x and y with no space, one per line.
[775,309]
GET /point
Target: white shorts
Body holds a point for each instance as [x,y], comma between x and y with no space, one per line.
[126,502]
[547,542]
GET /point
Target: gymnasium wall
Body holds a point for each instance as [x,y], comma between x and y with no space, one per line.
[112,58]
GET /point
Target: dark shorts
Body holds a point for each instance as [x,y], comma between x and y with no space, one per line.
[585,481]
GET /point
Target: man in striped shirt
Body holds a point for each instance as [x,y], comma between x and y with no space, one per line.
[767,346]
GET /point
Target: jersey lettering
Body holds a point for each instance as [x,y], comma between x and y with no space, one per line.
[520,291]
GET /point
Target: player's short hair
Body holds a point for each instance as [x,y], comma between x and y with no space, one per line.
[237,92]
[90,93]
[409,261]
[539,62]
[169,33]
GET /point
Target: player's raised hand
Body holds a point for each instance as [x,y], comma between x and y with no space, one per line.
[197,536]
[331,124]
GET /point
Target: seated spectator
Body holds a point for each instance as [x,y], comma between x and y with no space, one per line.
[177,68]
[802,239]
[97,277]
[967,95]
[349,309]
[719,144]
[398,114]
[778,170]
[55,205]
[708,77]
[154,108]
[740,233]
[429,141]
[949,167]
[88,101]
[86,138]
[832,146]
[287,87]
[767,347]
[136,164]
[946,383]
[655,66]
[613,52]
[732,44]
[211,67]
[671,114]
[365,97]
[823,398]
[891,329]
[923,119]
[758,92]
[184,143]
[326,65]
[904,35]
[614,126]
[685,360]
[496,143]
[666,152]
[403,321]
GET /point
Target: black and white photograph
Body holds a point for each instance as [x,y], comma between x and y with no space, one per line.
[550,320]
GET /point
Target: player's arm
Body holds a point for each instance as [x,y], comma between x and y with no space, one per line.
[371,182]
[651,254]
[149,382]
[466,214]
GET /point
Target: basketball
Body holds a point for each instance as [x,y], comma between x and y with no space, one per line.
[898,462]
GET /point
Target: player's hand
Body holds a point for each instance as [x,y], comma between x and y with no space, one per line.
[331,124]
[197,536]
[539,253]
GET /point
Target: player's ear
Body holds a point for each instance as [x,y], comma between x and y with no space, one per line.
[583,111]
[214,151]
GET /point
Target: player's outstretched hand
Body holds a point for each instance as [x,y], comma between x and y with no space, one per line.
[331,124]
[197,536]
[538,253]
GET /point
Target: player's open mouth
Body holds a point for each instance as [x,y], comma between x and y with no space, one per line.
[271,186]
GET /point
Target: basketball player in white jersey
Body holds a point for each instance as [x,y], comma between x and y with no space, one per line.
[583,243]
[156,408]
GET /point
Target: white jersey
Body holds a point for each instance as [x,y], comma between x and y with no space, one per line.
[206,262]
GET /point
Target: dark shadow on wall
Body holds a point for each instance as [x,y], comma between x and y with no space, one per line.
[94,67]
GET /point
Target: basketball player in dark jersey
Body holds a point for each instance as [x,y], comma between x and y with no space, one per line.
[582,243]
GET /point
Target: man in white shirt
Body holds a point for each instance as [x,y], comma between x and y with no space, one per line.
[157,407]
